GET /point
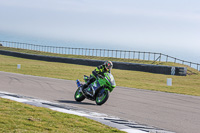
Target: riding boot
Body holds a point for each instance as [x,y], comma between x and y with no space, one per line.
[89,90]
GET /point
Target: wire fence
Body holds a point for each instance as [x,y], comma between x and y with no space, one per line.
[138,55]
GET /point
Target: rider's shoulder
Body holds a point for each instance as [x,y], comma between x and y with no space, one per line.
[100,66]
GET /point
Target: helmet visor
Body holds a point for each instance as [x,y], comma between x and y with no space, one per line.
[109,66]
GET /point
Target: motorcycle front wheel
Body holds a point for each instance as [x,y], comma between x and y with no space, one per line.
[78,96]
[102,97]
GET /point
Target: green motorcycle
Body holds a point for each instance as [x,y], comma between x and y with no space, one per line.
[97,91]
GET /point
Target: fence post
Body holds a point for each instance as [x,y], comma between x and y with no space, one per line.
[112,53]
[167,58]
[160,57]
[53,49]
[174,60]
[124,54]
[31,46]
[68,50]
[139,55]
[82,51]
[149,56]
[85,51]
[107,52]
[26,45]
[133,54]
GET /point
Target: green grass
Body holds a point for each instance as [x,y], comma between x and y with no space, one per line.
[18,118]
[189,84]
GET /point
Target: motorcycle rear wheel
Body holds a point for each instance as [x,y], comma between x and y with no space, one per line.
[102,97]
[78,96]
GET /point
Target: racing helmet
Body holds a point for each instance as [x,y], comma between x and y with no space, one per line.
[108,65]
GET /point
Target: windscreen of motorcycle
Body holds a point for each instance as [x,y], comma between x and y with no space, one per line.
[111,79]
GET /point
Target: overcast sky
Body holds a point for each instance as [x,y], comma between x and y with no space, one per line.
[149,25]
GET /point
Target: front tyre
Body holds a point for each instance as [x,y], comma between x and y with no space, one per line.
[102,97]
[78,96]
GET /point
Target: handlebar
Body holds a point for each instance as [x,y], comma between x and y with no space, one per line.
[100,76]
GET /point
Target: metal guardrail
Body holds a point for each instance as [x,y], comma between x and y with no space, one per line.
[138,55]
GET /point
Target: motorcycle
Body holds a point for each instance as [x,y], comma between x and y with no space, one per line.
[97,91]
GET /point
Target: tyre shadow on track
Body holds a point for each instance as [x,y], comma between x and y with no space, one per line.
[75,102]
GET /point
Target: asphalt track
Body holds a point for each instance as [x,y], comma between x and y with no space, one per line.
[172,112]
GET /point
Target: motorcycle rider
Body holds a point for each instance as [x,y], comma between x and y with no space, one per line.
[98,72]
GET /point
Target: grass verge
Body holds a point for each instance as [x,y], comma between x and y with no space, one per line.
[18,117]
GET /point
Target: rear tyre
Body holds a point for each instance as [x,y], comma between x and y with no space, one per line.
[78,96]
[102,97]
